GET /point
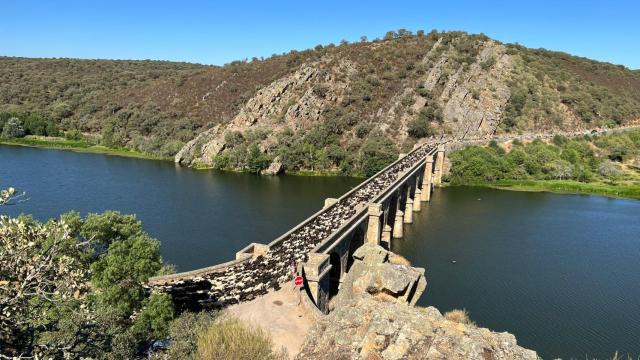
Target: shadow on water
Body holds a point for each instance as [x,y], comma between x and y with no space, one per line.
[558,271]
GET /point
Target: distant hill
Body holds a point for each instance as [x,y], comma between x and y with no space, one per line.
[344,108]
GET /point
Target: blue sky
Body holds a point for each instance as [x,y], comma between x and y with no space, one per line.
[216,32]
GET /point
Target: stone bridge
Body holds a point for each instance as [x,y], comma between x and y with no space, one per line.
[319,248]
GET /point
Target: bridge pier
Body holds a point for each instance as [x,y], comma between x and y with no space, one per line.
[316,271]
[439,165]
[417,201]
[386,236]
[426,179]
[410,197]
[398,231]
[374,227]
[408,212]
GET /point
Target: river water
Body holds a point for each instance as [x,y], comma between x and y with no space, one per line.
[560,272]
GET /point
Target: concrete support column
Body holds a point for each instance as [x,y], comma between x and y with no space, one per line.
[425,194]
[408,211]
[408,205]
[374,227]
[417,201]
[316,272]
[398,231]
[386,236]
[439,165]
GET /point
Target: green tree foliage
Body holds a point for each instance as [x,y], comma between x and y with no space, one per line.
[13,128]
[72,288]
[581,160]
[184,332]
[376,153]
[419,128]
[32,123]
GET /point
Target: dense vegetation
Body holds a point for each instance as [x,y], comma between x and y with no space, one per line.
[608,164]
[73,287]
[155,107]
[547,84]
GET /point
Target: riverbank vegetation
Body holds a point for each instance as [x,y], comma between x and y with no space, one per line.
[606,165]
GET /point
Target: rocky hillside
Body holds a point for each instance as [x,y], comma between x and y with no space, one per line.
[348,108]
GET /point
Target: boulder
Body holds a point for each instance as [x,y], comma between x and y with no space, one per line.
[378,273]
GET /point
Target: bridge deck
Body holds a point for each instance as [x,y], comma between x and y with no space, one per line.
[241,281]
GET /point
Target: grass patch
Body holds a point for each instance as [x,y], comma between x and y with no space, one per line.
[459,316]
[230,339]
[569,187]
[78,146]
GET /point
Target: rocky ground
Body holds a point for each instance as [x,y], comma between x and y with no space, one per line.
[373,320]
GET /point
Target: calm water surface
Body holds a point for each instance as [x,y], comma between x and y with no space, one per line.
[200,217]
[560,272]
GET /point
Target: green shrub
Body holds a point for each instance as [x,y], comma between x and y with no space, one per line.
[419,128]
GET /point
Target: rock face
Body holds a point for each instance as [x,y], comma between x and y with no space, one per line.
[371,329]
[374,320]
[383,275]
[471,97]
[293,102]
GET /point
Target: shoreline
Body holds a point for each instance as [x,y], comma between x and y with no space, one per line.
[631,192]
[80,147]
[565,187]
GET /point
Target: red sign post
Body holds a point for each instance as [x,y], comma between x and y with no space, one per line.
[298,281]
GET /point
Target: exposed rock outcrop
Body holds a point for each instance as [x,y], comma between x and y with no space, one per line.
[472,98]
[368,328]
[373,319]
[293,102]
[383,275]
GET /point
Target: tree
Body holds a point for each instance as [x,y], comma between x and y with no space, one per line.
[73,287]
[256,159]
[559,169]
[13,128]
[609,169]
[376,153]
[43,289]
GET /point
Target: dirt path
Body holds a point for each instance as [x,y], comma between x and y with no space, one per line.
[279,314]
